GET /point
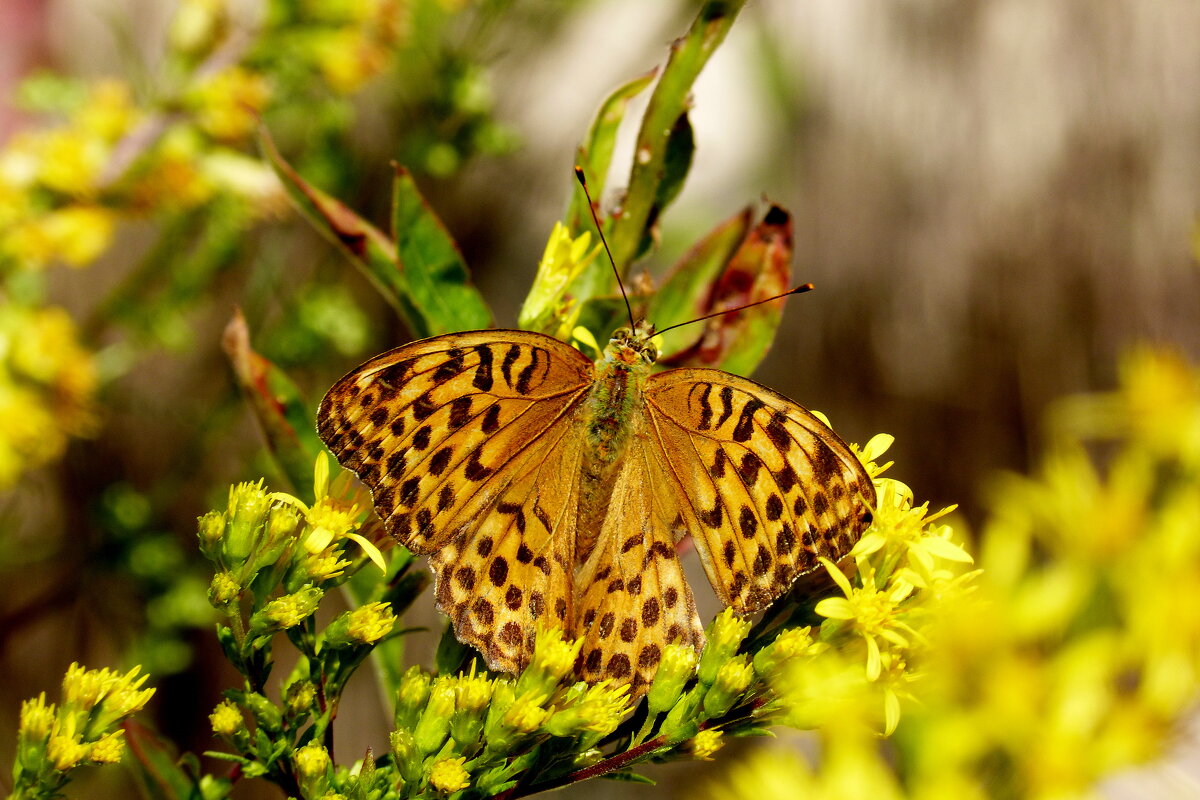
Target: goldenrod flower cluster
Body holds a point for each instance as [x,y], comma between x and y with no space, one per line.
[47,387]
[82,729]
[1077,654]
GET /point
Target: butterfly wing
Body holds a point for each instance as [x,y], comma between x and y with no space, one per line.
[633,597]
[466,443]
[765,487]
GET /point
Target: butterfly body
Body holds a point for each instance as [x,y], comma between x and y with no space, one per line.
[548,488]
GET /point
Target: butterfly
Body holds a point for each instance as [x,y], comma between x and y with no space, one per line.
[548,488]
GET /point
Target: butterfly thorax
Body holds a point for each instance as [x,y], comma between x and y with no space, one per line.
[610,419]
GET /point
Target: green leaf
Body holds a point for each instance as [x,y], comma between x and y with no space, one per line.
[676,163]
[282,413]
[629,776]
[424,277]
[668,105]
[759,269]
[159,766]
[428,258]
[684,294]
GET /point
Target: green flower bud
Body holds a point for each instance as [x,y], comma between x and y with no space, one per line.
[791,644]
[211,530]
[404,754]
[411,697]
[472,693]
[312,764]
[362,626]
[553,658]
[248,506]
[725,636]
[265,713]
[676,668]
[434,726]
[286,612]
[223,590]
[299,697]
[733,679]
[37,719]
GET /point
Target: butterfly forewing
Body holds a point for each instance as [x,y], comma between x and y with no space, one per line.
[438,428]
[766,488]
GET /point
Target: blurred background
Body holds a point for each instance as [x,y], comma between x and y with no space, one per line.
[994,199]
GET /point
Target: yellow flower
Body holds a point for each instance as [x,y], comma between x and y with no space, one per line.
[311,760]
[329,521]
[448,775]
[226,719]
[228,103]
[66,752]
[548,308]
[705,743]
[109,749]
[871,613]
[37,719]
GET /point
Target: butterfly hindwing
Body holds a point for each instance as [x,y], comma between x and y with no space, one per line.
[513,566]
[633,597]
[766,487]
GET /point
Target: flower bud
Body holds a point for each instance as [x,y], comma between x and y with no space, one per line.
[265,713]
[285,612]
[223,590]
[553,658]
[211,530]
[312,764]
[109,749]
[404,755]
[676,668]
[299,697]
[411,697]
[434,725]
[702,746]
[364,625]
[472,693]
[37,719]
[793,643]
[248,506]
[725,636]
[733,679]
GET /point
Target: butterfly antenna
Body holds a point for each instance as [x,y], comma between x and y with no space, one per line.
[592,208]
[807,287]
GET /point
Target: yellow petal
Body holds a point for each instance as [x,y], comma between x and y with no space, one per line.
[370,549]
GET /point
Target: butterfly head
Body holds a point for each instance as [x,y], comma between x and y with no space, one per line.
[632,346]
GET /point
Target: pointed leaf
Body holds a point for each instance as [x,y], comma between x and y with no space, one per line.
[760,268]
[685,293]
[676,163]
[425,281]
[594,153]
[668,104]
[282,413]
[159,765]
[432,266]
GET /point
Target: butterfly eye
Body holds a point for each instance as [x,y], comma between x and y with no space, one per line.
[620,334]
[650,353]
